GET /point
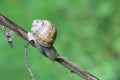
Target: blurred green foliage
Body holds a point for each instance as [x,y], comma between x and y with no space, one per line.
[88,35]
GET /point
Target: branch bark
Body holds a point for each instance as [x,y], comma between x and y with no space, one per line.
[63,61]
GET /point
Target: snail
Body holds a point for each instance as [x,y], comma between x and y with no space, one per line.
[43,33]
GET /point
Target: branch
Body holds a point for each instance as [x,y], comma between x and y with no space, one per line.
[63,61]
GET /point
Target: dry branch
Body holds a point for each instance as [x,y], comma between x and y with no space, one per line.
[63,61]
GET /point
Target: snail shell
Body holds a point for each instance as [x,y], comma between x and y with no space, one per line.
[44,32]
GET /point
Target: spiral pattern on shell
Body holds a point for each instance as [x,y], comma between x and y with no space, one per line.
[44,32]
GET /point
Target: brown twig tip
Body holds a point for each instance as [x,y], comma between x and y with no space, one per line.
[63,61]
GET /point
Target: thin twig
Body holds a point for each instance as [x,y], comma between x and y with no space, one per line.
[26,62]
[68,64]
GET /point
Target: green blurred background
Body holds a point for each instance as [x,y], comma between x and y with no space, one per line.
[88,35]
